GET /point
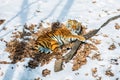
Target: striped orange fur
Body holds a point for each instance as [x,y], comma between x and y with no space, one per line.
[52,40]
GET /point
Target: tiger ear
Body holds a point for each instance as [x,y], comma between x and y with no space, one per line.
[69,20]
[79,24]
[55,25]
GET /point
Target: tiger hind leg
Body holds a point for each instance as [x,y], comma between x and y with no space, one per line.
[55,45]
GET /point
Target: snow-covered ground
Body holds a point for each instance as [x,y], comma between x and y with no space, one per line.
[92,13]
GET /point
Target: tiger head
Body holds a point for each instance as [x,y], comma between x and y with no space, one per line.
[74,26]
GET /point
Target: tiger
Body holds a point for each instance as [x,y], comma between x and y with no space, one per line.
[52,41]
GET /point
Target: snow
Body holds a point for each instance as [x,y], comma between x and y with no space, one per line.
[18,12]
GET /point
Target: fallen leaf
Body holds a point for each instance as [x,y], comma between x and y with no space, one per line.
[94,71]
[109,73]
[2,21]
[117,26]
[46,72]
[112,47]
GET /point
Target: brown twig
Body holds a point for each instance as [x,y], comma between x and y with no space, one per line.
[58,65]
[5,62]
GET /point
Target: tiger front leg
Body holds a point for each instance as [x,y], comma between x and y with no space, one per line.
[81,38]
[78,37]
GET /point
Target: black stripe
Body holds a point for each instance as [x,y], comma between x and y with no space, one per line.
[61,40]
[41,44]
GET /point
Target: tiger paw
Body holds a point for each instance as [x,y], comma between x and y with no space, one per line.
[82,38]
[45,50]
